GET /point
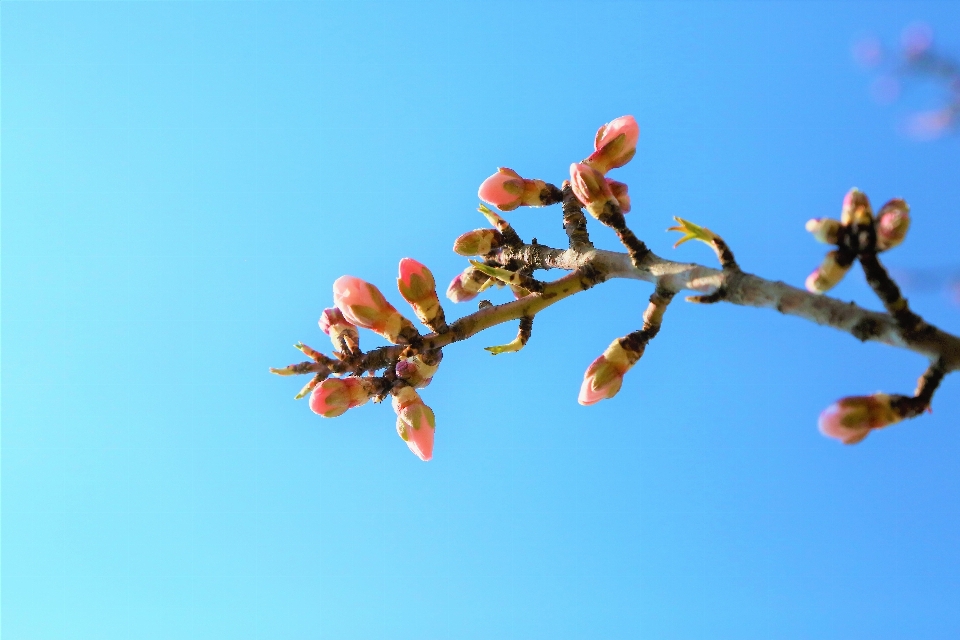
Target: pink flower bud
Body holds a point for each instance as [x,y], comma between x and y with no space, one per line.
[334,396]
[336,326]
[477,242]
[826,230]
[592,189]
[856,208]
[893,220]
[849,420]
[417,286]
[604,376]
[827,275]
[416,423]
[415,371]
[507,190]
[612,150]
[363,305]
[619,191]
[467,285]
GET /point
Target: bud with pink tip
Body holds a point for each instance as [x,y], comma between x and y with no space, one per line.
[416,423]
[604,376]
[856,208]
[336,326]
[467,285]
[593,190]
[615,144]
[619,191]
[508,190]
[477,242]
[893,220]
[417,286]
[827,275]
[416,371]
[849,420]
[826,230]
[334,396]
[363,305]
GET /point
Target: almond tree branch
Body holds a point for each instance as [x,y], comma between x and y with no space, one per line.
[748,290]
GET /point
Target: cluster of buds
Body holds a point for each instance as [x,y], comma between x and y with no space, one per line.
[346,381]
[857,230]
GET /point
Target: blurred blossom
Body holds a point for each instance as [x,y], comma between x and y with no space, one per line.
[915,60]
[867,51]
[916,39]
[929,125]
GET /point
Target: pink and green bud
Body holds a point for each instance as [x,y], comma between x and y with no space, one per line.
[619,191]
[827,275]
[363,305]
[416,424]
[467,285]
[508,190]
[415,372]
[336,326]
[826,230]
[592,189]
[615,144]
[893,220]
[856,208]
[334,396]
[850,420]
[478,242]
[417,286]
[604,376]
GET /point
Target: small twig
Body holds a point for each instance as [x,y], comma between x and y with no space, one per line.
[574,221]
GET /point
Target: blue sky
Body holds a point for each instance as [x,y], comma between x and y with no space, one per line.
[182,183]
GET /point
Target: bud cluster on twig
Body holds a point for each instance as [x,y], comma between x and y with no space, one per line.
[498,257]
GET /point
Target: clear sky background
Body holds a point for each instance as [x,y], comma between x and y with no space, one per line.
[182,183]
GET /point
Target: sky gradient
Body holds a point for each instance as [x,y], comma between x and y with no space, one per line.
[182,183]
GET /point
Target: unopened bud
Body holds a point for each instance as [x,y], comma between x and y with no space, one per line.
[604,376]
[893,220]
[336,326]
[850,420]
[592,189]
[827,275]
[619,191]
[477,242]
[826,230]
[417,286]
[856,208]
[508,190]
[416,372]
[416,423]
[467,285]
[334,396]
[363,305]
[615,144]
